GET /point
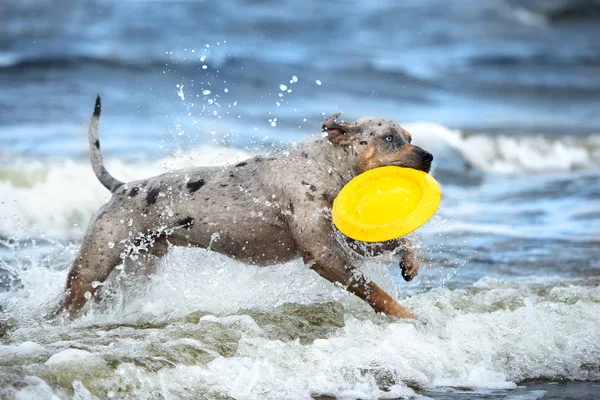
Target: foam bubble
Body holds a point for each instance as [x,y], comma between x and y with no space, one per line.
[68,356]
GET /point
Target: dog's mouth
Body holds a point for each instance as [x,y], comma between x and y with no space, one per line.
[408,157]
[425,166]
[415,158]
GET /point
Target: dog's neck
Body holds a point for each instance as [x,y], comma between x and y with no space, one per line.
[336,160]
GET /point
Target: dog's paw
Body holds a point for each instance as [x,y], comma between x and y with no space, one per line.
[396,310]
[409,266]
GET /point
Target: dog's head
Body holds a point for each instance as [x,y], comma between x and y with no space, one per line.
[376,143]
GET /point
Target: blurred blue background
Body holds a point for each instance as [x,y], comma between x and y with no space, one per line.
[173,72]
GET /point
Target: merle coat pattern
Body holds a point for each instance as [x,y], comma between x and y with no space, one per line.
[263,210]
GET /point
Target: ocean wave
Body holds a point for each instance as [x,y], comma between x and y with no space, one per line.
[22,62]
[123,57]
[456,150]
[534,60]
[57,198]
[119,58]
[208,324]
[380,68]
[562,10]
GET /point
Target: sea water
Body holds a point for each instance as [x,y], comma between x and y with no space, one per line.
[503,94]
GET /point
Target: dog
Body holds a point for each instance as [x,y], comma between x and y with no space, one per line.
[263,210]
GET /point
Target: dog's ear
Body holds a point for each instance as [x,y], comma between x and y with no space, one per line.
[338,136]
[339,132]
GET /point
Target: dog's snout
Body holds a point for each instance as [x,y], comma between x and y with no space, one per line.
[425,155]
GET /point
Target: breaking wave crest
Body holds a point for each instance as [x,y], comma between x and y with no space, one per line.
[57,198]
[207,324]
[454,149]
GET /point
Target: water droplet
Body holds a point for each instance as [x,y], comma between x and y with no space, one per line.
[318,82]
[295,79]
[206,92]
[282,87]
[111,245]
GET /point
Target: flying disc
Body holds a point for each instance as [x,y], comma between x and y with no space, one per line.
[385,203]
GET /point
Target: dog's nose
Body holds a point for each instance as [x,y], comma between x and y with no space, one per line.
[428,156]
[425,155]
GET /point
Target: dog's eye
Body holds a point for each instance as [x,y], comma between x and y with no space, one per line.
[389,138]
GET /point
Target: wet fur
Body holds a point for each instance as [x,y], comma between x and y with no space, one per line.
[263,210]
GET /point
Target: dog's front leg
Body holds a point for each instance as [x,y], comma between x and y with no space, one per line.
[314,236]
[335,270]
[409,264]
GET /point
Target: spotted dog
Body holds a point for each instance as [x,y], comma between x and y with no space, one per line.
[263,210]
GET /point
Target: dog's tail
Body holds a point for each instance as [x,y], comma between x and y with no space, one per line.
[96,156]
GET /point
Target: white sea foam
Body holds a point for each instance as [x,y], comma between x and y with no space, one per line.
[505,153]
[68,356]
[57,198]
[492,336]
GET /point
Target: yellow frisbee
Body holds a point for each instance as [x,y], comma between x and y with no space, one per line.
[385,203]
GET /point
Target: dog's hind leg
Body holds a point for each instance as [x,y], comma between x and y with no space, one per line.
[140,260]
[101,251]
[96,259]
[107,245]
[144,262]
